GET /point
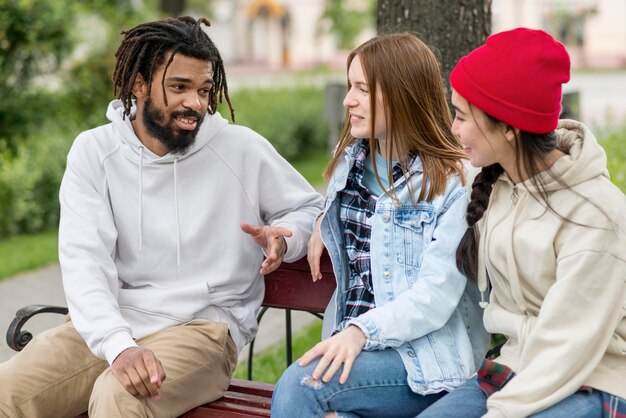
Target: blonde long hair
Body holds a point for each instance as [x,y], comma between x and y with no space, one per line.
[417,113]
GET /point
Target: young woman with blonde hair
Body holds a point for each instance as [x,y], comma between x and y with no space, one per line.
[401,329]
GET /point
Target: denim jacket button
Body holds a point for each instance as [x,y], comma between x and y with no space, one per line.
[386,274]
[411,353]
[386,218]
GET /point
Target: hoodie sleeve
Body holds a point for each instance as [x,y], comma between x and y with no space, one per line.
[577,320]
[286,199]
[87,243]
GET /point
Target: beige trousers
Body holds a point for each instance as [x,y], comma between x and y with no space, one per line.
[56,375]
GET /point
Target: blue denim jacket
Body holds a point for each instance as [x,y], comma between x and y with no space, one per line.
[424,310]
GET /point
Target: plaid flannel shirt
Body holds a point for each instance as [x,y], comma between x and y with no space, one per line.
[357,205]
[493,376]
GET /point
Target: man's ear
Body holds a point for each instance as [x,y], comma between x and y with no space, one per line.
[140,87]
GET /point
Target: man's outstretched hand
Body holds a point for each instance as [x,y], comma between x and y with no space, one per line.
[272,240]
[140,372]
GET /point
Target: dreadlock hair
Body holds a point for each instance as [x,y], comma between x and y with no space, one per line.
[530,150]
[145,47]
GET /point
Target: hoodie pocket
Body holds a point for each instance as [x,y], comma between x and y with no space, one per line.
[179,303]
[409,226]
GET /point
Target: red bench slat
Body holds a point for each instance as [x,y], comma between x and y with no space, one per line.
[251,387]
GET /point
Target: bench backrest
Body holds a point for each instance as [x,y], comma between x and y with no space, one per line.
[290,286]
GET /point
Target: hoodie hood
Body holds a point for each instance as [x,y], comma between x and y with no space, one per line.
[210,126]
[584,158]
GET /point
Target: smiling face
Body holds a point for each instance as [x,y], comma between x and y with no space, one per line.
[170,123]
[484,142]
[357,101]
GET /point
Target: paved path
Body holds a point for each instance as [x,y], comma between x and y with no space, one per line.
[44,287]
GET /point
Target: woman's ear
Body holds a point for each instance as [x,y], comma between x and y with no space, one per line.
[510,133]
[140,87]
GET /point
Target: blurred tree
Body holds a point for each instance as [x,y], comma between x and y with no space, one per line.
[88,79]
[451,27]
[34,38]
[347,18]
[173,7]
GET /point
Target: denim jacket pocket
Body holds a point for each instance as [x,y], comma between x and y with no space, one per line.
[409,227]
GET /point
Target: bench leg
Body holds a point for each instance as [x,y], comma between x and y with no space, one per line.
[288,338]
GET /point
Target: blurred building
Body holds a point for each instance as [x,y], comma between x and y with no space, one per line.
[274,33]
[594,31]
[279,34]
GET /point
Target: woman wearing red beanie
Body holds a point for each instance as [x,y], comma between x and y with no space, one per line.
[546,232]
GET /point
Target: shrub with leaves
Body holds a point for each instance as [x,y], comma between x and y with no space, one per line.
[612,137]
[29,184]
[292,119]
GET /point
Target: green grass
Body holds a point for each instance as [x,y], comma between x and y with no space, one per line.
[27,252]
[269,365]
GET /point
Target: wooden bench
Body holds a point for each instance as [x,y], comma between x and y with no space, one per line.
[289,287]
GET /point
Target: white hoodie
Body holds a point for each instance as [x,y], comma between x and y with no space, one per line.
[149,242]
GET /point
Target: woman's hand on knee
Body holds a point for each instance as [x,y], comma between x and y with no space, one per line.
[139,371]
[342,348]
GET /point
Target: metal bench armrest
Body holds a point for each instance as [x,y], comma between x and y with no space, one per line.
[16,338]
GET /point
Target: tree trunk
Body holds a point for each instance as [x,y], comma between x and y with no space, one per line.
[452,28]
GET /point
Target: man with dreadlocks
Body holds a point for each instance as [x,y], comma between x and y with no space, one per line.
[169,217]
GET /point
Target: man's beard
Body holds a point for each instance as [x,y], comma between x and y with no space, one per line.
[176,140]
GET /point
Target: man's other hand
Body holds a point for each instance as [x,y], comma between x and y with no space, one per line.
[272,240]
[140,372]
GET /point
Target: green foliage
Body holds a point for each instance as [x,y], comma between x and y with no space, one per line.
[612,137]
[291,119]
[29,183]
[89,90]
[34,37]
[27,252]
[269,365]
[346,19]
[312,166]
[31,31]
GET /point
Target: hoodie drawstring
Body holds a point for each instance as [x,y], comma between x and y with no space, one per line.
[482,279]
[177,215]
[140,217]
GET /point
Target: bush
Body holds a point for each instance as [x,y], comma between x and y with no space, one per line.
[29,184]
[292,119]
[34,38]
[612,137]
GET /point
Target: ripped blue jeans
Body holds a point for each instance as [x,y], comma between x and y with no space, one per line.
[377,387]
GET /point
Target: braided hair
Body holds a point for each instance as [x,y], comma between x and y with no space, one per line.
[467,251]
[145,47]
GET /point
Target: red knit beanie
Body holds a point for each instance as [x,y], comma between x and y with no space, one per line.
[516,77]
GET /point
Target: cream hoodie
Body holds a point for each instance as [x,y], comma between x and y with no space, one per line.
[558,288]
[148,242]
